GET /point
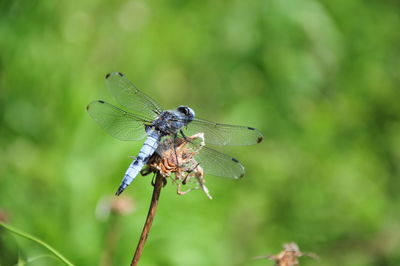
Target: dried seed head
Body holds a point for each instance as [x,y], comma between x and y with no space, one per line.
[288,256]
[175,158]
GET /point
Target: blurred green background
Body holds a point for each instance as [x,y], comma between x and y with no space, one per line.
[319,78]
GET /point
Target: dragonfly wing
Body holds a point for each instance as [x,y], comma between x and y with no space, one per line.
[118,123]
[213,162]
[223,134]
[219,164]
[130,97]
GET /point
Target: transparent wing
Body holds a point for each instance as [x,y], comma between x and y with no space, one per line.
[118,123]
[219,164]
[213,162]
[223,134]
[130,97]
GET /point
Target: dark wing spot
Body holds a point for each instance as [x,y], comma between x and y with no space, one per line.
[259,139]
[236,161]
[119,73]
[108,75]
[87,107]
[242,175]
[100,101]
[251,128]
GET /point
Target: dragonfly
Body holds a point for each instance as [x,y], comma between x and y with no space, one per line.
[145,119]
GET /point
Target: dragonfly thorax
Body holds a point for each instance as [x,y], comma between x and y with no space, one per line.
[171,121]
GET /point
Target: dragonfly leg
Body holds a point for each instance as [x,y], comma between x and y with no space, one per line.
[189,172]
[146,171]
[184,136]
[153,180]
[176,155]
[185,179]
[194,168]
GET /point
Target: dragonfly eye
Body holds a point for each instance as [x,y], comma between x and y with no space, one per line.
[187,111]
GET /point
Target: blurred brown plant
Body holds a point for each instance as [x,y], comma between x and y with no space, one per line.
[3,216]
[114,206]
[288,256]
[111,209]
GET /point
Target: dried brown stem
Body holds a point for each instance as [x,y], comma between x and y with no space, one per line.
[149,220]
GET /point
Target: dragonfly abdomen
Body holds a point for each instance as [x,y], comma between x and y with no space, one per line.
[147,150]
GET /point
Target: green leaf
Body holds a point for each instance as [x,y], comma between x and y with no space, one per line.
[40,242]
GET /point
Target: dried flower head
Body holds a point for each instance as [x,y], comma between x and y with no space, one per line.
[288,256]
[175,158]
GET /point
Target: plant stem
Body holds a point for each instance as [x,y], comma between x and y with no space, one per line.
[113,234]
[149,220]
[40,242]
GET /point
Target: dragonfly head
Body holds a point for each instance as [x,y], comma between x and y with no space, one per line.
[187,112]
